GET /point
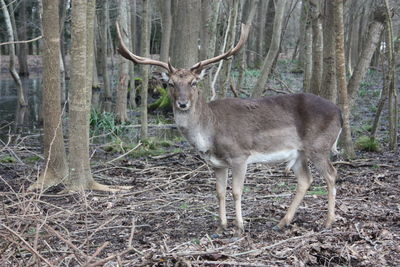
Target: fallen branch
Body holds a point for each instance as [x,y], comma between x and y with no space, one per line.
[27,245]
[22,42]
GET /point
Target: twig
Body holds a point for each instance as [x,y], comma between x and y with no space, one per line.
[69,243]
[96,253]
[27,245]
[126,153]
[105,260]
[22,42]
[132,232]
[165,155]
[277,244]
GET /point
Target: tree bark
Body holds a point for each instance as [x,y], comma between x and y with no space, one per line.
[133,35]
[242,54]
[317,48]
[341,76]
[186,25]
[103,57]
[260,37]
[145,47]
[273,49]
[227,64]
[56,167]
[123,80]
[391,81]
[208,35]
[22,101]
[328,89]
[166,18]
[307,49]
[370,44]
[80,177]
[23,48]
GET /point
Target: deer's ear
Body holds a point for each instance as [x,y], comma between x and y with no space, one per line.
[161,76]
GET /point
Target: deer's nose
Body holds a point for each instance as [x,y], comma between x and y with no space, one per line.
[183,104]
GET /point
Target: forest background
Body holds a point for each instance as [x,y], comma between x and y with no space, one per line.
[76,116]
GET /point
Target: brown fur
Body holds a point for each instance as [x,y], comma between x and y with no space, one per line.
[228,131]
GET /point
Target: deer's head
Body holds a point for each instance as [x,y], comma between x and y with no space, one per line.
[183,82]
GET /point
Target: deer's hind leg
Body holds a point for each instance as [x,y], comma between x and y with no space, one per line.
[326,169]
[304,180]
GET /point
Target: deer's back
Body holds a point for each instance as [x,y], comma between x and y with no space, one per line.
[298,121]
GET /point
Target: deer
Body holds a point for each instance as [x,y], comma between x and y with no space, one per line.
[235,132]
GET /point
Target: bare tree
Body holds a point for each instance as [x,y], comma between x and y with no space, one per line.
[370,44]
[273,49]
[391,80]
[307,50]
[123,80]
[166,17]
[23,35]
[145,51]
[56,167]
[317,47]
[242,54]
[231,31]
[22,101]
[329,89]
[103,32]
[341,76]
[186,26]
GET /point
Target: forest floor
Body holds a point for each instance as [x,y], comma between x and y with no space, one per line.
[170,215]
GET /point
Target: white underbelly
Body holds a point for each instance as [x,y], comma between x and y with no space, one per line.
[274,157]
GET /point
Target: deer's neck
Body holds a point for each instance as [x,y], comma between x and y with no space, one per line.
[196,125]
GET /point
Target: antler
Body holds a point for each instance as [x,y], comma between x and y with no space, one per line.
[124,51]
[243,38]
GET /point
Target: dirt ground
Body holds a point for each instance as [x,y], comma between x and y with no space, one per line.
[169,217]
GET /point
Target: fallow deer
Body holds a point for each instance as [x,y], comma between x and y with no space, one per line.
[234,132]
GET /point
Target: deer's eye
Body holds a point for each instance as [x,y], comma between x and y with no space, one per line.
[171,83]
[193,83]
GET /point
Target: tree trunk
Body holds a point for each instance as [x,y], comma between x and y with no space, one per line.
[208,35]
[307,49]
[317,48]
[103,32]
[273,49]
[260,37]
[341,76]
[166,30]
[145,47]
[391,81]
[133,35]
[122,89]
[242,54]
[328,89]
[56,168]
[304,20]
[22,101]
[370,44]
[80,177]
[186,25]
[227,64]
[23,48]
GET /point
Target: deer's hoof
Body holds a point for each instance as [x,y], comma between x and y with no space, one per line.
[279,228]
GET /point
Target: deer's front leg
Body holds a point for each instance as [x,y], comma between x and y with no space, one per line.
[222,175]
[238,175]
